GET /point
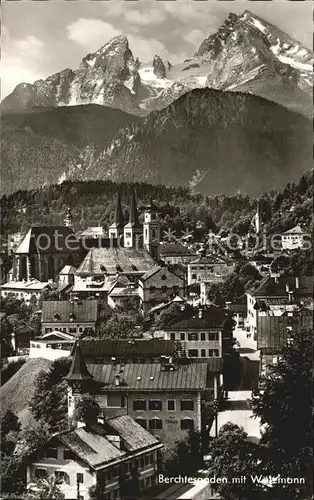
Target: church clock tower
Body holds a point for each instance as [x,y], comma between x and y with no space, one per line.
[151,229]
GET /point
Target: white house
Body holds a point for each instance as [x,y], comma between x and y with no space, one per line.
[52,345]
[293,238]
[24,290]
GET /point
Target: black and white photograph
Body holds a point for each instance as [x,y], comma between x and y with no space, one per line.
[156,250]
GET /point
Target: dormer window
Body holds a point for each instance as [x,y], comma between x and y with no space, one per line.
[72,316]
[103,268]
[119,268]
[134,267]
[56,316]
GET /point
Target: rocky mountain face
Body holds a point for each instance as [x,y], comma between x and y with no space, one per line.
[246,54]
[212,141]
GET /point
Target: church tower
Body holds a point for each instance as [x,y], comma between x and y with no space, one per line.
[133,229]
[257,220]
[79,381]
[151,229]
[68,221]
[116,228]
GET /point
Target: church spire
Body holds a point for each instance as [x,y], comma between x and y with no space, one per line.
[133,216]
[78,369]
[118,215]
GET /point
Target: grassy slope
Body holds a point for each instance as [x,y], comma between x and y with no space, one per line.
[16,394]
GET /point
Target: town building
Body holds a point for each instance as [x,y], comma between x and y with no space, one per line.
[158,285]
[294,238]
[24,290]
[276,294]
[209,269]
[118,456]
[175,253]
[165,397]
[73,317]
[205,332]
[239,313]
[155,312]
[96,287]
[123,294]
[151,229]
[44,251]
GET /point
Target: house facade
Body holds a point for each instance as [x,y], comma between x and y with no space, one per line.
[294,238]
[165,397]
[158,286]
[73,317]
[209,270]
[204,332]
[117,456]
[24,290]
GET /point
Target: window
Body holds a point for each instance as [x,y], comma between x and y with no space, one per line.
[155,404]
[155,424]
[193,353]
[48,330]
[139,361]
[128,235]
[172,336]
[68,455]
[141,462]
[213,336]
[80,478]
[80,329]
[182,336]
[193,276]
[40,473]
[115,400]
[187,404]
[171,404]
[203,353]
[142,422]
[164,289]
[154,232]
[187,424]
[164,277]
[52,453]
[203,336]
[62,476]
[139,404]
[212,353]
[176,290]
[72,330]
[152,289]
[192,336]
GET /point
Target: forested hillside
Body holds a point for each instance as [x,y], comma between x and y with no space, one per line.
[93,204]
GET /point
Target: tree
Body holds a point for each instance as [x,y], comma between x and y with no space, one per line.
[6,332]
[87,409]
[284,404]
[184,456]
[233,456]
[49,402]
[119,326]
[46,489]
[10,429]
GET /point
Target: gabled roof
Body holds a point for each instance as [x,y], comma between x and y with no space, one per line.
[47,239]
[129,260]
[64,311]
[173,249]
[56,333]
[191,377]
[295,230]
[25,286]
[133,435]
[158,269]
[68,270]
[126,347]
[78,369]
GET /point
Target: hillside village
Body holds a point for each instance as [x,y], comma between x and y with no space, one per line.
[152,337]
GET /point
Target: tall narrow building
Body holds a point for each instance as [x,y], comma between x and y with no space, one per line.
[151,229]
[116,228]
[133,229]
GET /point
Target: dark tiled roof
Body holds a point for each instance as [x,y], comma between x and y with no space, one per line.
[47,239]
[269,288]
[188,319]
[153,377]
[155,270]
[84,311]
[173,249]
[125,347]
[129,260]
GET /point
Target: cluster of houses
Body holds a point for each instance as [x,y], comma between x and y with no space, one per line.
[150,390]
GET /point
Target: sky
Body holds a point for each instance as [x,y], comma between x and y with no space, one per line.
[42,38]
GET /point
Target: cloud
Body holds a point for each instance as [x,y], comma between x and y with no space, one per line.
[20,61]
[91,33]
[149,16]
[195,37]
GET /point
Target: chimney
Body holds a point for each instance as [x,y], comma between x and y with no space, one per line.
[200,313]
[297,282]
[117,379]
[287,288]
